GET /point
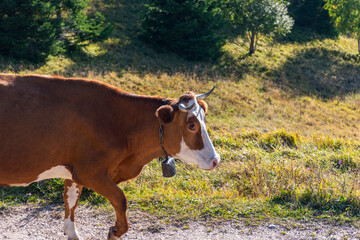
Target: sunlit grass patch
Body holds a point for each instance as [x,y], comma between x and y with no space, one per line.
[325,142]
[279,138]
[302,179]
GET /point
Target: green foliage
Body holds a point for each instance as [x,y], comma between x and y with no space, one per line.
[268,17]
[92,197]
[311,15]
[34,29]
[28,29]
[79,28]
[189,28]
[49,190]
[346,15]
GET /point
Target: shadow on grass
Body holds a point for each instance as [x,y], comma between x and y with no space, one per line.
[307,34]
[318,202]
[319,72]
[8,64]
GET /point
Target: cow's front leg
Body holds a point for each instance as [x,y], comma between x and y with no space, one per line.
[103,185]
[72,192]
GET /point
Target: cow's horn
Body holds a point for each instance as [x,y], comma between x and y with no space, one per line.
[183,108]
[205,95]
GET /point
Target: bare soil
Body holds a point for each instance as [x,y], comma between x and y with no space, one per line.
[33,222]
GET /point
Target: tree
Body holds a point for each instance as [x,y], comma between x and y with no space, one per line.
[189,28]
[310,14]
[78,28]
[346,14]
[256,17]
[27,29]
[33,29]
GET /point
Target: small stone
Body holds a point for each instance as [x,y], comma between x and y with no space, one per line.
[271,226]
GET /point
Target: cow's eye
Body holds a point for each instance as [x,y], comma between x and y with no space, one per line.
[192,126]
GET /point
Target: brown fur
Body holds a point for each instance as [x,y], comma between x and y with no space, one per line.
[203,105]
[101,134]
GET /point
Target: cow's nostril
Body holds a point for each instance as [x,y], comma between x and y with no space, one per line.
[215,163]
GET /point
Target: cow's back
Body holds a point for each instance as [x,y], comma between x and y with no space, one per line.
[47,122]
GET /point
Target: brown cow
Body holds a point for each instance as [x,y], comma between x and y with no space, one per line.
[93,135]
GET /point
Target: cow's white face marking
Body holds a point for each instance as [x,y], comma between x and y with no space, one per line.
[205,157]
[54,172]
[69,229]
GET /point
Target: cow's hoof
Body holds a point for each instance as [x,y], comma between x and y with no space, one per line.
[112,233]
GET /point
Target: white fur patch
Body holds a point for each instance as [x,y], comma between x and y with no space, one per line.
[69,226]
[69,229]
[72,194]
[19,184]
[186,154]
[5,83]
[54,172]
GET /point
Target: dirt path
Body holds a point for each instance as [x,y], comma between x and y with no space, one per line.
[40,223]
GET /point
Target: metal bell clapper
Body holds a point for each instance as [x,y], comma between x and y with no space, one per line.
[168,167]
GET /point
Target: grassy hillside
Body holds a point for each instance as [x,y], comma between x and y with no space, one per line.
[285,120]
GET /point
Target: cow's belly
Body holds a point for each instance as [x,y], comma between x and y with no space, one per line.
[54,172]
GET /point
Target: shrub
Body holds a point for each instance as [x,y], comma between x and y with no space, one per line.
[50,190]
[346,16]
[188,28]
[34,29]
[310,14]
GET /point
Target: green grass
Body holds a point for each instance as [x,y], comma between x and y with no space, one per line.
[285,121]
[284,181]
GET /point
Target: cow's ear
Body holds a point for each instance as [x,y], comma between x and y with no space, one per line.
[165,114]
[203,105]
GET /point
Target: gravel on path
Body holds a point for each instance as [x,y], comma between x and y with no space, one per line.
[32,222]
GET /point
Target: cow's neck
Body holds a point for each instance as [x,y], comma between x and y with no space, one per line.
[138,126]
[144,139]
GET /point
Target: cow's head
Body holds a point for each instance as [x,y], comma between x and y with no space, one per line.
[185,135]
